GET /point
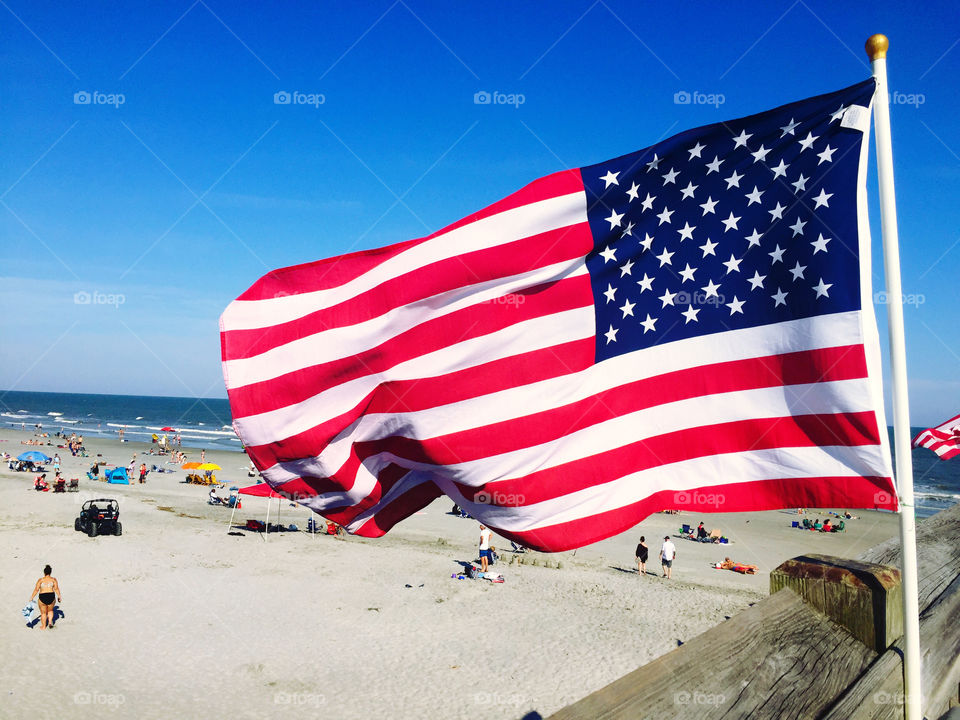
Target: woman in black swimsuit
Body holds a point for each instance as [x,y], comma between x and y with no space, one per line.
[49,590]
[642,553]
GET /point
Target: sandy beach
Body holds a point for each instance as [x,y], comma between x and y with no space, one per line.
[176,618]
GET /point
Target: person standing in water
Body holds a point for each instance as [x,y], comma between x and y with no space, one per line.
[49,590]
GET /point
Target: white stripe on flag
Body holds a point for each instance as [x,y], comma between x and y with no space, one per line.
[752,466]
[797,335]
[500,229]
[823,332]
[342,342]
[516,339]
[848,396]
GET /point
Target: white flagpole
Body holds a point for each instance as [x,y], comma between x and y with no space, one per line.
[877,50]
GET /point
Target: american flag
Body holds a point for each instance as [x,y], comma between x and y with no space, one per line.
[944,439]
[688,326]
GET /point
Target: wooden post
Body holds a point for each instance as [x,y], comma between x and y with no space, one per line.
[862,597]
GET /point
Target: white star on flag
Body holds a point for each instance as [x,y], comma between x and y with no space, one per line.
[826,155]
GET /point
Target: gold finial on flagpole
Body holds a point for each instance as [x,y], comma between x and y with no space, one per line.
[877,46]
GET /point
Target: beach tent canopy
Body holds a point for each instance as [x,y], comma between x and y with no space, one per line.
[117,476]
[260,490]
[33,456]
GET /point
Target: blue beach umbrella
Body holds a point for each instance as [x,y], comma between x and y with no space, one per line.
[33,456]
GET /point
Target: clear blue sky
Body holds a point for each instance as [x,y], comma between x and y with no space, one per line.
[179,198]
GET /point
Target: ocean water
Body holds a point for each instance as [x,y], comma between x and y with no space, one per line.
[936,482]
[203,422]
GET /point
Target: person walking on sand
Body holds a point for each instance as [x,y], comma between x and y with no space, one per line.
[143,473]
[668,553]
[484,547]
[643,552]
[48,589]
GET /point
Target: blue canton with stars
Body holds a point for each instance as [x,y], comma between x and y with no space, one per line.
[739,224]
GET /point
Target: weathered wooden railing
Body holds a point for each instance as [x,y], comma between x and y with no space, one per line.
[825,644]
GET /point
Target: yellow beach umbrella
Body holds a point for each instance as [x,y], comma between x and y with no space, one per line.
[208,466]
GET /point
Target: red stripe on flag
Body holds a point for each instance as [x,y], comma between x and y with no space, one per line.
[491,377]
[851,492]
[421,394]
[403,507]
[333,272]
[387,478]
[452,274]
[426,337]
[825,365]
[840,430]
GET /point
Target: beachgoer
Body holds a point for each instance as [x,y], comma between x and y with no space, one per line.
[701,532]
[668,553]
[143,472]
[729,564]
[48,589]
[203,456]
[643,552]
[484,547]
[827,527]
[817,525]
[56,462]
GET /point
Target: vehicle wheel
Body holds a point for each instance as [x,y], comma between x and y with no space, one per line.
[118,530]
[92,530]
[76,524]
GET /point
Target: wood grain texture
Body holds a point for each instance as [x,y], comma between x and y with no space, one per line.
[863,597]
[777,659]
[879,694]
[783,659]
[938,553]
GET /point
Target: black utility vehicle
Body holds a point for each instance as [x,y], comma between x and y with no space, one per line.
[99,517]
